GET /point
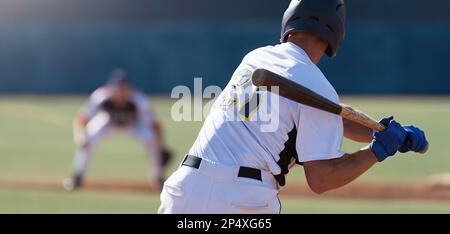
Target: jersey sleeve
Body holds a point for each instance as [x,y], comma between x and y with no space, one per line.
[319,135]
[145,112]
[93,106]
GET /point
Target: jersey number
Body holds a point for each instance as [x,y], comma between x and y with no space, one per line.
[250,99]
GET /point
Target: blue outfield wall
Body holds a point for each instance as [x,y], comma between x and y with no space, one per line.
[385,55]
[394,58]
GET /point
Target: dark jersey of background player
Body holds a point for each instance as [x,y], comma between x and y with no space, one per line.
[120,107]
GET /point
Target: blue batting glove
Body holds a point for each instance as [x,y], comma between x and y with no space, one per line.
[387,142]
[415,140]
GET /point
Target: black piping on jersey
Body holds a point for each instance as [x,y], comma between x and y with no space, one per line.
[250,105]
[286,156]
[279,201]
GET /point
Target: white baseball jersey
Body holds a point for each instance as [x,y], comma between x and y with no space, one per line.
[136,112]
[233,133]
[104,118]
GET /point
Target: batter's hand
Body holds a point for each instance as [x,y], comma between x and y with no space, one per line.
[80,139]
[387,142]
[415,140]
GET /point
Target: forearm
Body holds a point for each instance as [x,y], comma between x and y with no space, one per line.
[79,130]
[157,128]
[324,175]
[149,119]
[336,173]
[350,167]
[355,131]
[79,124]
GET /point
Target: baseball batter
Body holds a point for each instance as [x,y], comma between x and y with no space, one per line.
[116,108]
[235,166]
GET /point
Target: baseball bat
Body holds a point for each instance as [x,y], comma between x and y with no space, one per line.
[298,93]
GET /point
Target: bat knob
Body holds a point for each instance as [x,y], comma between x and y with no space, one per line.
[426,149]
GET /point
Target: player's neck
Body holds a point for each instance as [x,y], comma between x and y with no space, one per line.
[314,49]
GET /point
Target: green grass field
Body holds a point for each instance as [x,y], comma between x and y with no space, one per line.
[36,144]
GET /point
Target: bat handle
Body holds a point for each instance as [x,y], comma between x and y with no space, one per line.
[358,117]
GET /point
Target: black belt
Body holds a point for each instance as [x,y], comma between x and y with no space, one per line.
[244,172]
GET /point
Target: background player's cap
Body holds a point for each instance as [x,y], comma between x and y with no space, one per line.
[324,18]
[118,77]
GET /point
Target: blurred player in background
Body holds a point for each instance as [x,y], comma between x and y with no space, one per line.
[116,108]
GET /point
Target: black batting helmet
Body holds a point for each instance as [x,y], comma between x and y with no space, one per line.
[324,18]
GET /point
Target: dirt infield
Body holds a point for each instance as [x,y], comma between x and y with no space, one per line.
[422,190]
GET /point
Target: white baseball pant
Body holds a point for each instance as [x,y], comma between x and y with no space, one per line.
[99,128]
[216,188]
